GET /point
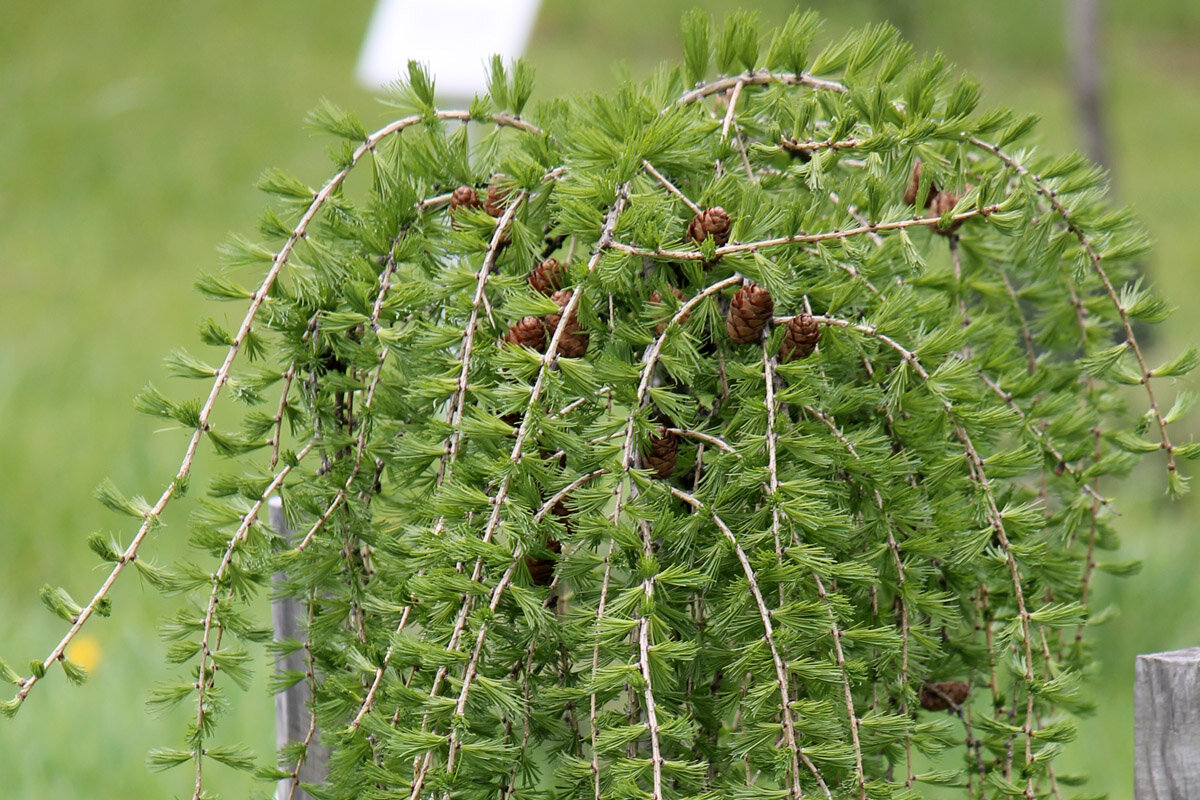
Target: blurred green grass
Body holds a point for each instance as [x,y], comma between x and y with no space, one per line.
[131,134]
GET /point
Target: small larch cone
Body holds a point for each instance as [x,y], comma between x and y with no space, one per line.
[528,332]
[547,277]
[801,337]
[655,297]
[464,197]
[749,312]
[573,342]
[541,570]
[664,452]
[497,199]
[943,203]
[914,185]
[944,695]
[710,222]
[940,205]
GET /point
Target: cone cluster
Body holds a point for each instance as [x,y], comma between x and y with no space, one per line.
[942,204]
[749,312]
[497,199]
[914,185]
[541,569]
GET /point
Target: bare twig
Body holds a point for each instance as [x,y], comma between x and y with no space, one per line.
[757,78]
[715,441]
[670,187]
[734,95]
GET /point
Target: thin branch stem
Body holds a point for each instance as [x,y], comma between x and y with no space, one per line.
[562,493]
[810,146]
[670,187]
[803,238]
[715,441]
[757,78]
[311,677]
[734,95]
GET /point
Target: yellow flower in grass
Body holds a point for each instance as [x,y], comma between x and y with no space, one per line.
[85,651]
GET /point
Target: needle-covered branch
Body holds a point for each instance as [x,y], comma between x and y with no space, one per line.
[837,340]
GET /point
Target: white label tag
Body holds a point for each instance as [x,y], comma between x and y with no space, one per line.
[454,38]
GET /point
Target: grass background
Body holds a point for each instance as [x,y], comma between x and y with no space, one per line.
[131,133]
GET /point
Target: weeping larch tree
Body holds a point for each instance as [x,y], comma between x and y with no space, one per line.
[734,437]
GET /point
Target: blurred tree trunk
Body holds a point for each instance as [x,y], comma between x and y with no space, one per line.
[1083,25]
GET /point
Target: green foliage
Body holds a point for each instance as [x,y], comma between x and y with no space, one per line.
[636,552]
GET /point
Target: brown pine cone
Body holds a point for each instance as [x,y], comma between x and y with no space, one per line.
[464,197]
[528,332]
[712,221]
[655,297]
[541,570]
[914,185]
[749,312]
[801,337]
[944,695]
[497,198]
[547,277]
[664,452]
[573,342]
[940,205]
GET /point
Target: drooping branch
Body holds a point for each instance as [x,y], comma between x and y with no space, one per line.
[1094,258]
[280,259]
[243,530]
[791,740]
[497,502]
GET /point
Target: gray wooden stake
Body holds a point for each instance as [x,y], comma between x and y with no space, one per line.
[292,714]
[1166,703]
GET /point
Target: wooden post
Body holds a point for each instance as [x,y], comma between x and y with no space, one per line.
[1166,701]
[1084,23]
[292,715]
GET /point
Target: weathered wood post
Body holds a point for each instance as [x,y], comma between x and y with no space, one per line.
[292,715]
[1166,702]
